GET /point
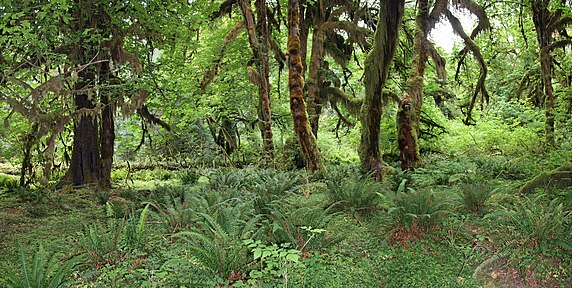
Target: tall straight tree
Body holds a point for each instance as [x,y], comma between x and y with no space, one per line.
[306,138]
[377,65]
[259,43]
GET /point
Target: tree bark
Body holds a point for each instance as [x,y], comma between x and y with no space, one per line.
[376,70]
[306,138]
[541,17]
[260,55]
[410,105]
[85,166]
[314,81]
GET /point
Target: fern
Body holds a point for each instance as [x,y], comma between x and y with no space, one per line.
[537,222]
[475,196]
[218,242]
[424,208]
[357,196]
[43,272]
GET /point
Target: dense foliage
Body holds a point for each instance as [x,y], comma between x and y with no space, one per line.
[285,143]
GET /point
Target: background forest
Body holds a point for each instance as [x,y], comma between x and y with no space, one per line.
[303,143]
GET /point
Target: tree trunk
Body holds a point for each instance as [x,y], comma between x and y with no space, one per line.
[260,55]
[314,81]
[306,138]
[107,140]
[410,105]
[376,70]
[29,141]
[541,18]
[85,167]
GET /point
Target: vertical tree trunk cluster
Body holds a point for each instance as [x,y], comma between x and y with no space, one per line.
[306,138]
[259,42]
[376,71]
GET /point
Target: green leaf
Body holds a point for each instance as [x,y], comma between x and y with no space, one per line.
[293,257]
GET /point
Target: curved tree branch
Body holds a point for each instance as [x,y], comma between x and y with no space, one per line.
[480,88]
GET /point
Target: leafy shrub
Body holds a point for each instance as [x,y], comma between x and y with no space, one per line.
[273,263]
[40,271]
[9,182]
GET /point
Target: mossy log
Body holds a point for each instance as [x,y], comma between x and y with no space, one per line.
[560,178]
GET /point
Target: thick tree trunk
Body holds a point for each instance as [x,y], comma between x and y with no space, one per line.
[260,55]
[85,166]
[410,105]
[376,70]
[306,138]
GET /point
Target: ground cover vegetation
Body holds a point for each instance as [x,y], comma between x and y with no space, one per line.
[285,144]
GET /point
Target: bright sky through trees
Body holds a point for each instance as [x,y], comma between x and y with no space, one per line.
[443,36]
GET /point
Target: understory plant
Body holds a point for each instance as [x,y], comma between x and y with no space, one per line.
[358,196]
[40,271]
[474,197]
[217,241]
[422,208]
[536,222]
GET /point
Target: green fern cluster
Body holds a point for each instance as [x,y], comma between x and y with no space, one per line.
[424,208]
[40,271]
[358,196]
[475,196]
[536,222]
[106,243]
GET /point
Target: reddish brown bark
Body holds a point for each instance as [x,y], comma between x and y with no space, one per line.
[306,138]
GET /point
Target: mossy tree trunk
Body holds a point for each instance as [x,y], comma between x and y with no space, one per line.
[548,25]
[302,128]
[410,105]
[259,42]
[316,59]
[376,70]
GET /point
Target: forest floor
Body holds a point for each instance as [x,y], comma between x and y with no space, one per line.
[445,225]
